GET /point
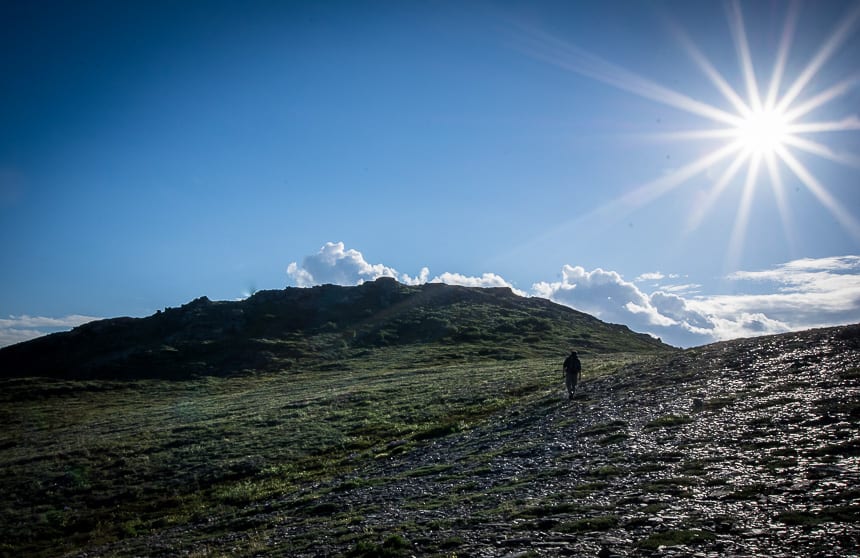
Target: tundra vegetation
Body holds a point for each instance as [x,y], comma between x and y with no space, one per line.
[440,449]
[89,462]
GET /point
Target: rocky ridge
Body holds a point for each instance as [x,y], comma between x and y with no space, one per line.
[307,328]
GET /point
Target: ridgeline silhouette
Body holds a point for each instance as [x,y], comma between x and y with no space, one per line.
[320,327]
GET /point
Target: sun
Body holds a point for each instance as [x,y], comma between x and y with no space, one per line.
[760,130]
[764,133]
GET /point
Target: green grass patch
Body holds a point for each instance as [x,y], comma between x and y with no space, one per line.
[694,467]
[676,537]
[849,448]
[849,373]
[719,402]
[833,514]
[652,509]
[603,428]
[589,524]
[751,492]
[392,547]
[613,438]
[439,431]
[354,484]
[604,472]
[101,461]
[668,421]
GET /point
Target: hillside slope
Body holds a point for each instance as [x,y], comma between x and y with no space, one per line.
[742,448]
[318,327]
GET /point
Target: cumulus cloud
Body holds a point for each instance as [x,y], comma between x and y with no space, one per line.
[16,329]
[420,279]
[605,295]
[485,280]
[678,310]
[337,265]
[799,294]
[667,315]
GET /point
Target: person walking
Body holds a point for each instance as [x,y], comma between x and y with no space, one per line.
[572,373]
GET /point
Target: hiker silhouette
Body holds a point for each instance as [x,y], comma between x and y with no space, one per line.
[572,372]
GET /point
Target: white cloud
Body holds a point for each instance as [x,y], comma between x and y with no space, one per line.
[746,325]
[656,280]
[604,294]
[685,288]
[807,293]
[302,277]
[651,276]
[485,280]
[11,335]
[677,309]
[825,275]
[16,329]
[420,279]
[800,294]
[836,263]
[803,294]
[334,264]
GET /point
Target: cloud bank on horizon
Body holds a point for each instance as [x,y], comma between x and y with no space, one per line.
[796,295]
[16,329]
[336,265]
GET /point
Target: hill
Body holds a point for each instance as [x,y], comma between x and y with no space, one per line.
[742,448]
[298,328]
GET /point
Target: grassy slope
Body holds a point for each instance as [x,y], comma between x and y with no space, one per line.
[89,462]
[747,447]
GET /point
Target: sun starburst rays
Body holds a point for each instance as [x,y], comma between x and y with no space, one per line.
[761,126]
[736,25]
[782,53]
[742,217]
[772,124]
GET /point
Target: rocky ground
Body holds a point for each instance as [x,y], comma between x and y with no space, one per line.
[746,448]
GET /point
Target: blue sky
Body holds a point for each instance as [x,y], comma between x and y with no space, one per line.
[153,152]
